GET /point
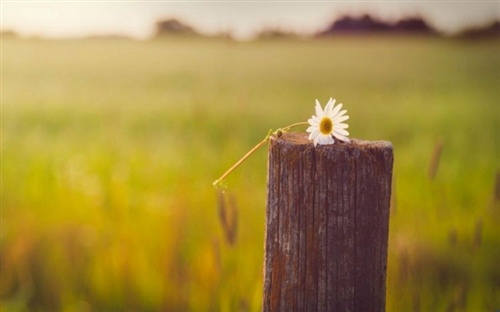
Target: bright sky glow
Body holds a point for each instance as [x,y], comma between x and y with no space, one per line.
[242,18]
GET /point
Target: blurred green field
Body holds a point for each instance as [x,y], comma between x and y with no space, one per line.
[110,147]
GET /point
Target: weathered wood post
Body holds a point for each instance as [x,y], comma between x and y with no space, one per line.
[327,225]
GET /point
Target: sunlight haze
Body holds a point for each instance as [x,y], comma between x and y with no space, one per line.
[76,19]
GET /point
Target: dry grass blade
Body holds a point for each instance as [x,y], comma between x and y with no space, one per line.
[228,216]
[233,224]
[221,203]
[436,156]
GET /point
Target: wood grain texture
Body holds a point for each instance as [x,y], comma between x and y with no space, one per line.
[327,225]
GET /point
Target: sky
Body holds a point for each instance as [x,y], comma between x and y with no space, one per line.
[77,18]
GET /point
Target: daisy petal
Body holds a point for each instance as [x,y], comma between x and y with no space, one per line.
[319,110]
[336,109]
[341,126]
[327,139]
[341,131]
[340,114]
[329,107]
[312,122]
[340,137]
[314,134]
[340,119]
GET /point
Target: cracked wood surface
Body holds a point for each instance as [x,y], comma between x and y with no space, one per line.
[327,225]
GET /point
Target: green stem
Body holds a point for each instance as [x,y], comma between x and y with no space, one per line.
[217,182]
[294,125]
[250,152]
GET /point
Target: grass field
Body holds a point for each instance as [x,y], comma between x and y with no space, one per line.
[109,149]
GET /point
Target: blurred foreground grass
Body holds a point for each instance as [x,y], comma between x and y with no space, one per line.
[109,149]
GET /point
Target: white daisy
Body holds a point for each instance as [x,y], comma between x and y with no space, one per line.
[328,123]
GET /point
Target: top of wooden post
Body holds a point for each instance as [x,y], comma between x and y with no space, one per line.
[297,138]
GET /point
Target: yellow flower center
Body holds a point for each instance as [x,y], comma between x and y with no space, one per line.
[326,125]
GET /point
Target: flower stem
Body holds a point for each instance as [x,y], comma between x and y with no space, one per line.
[294,125]
[217,182]
[250,152]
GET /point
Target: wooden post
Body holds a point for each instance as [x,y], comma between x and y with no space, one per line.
[327,225]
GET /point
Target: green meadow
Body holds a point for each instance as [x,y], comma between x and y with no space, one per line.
[110,147]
